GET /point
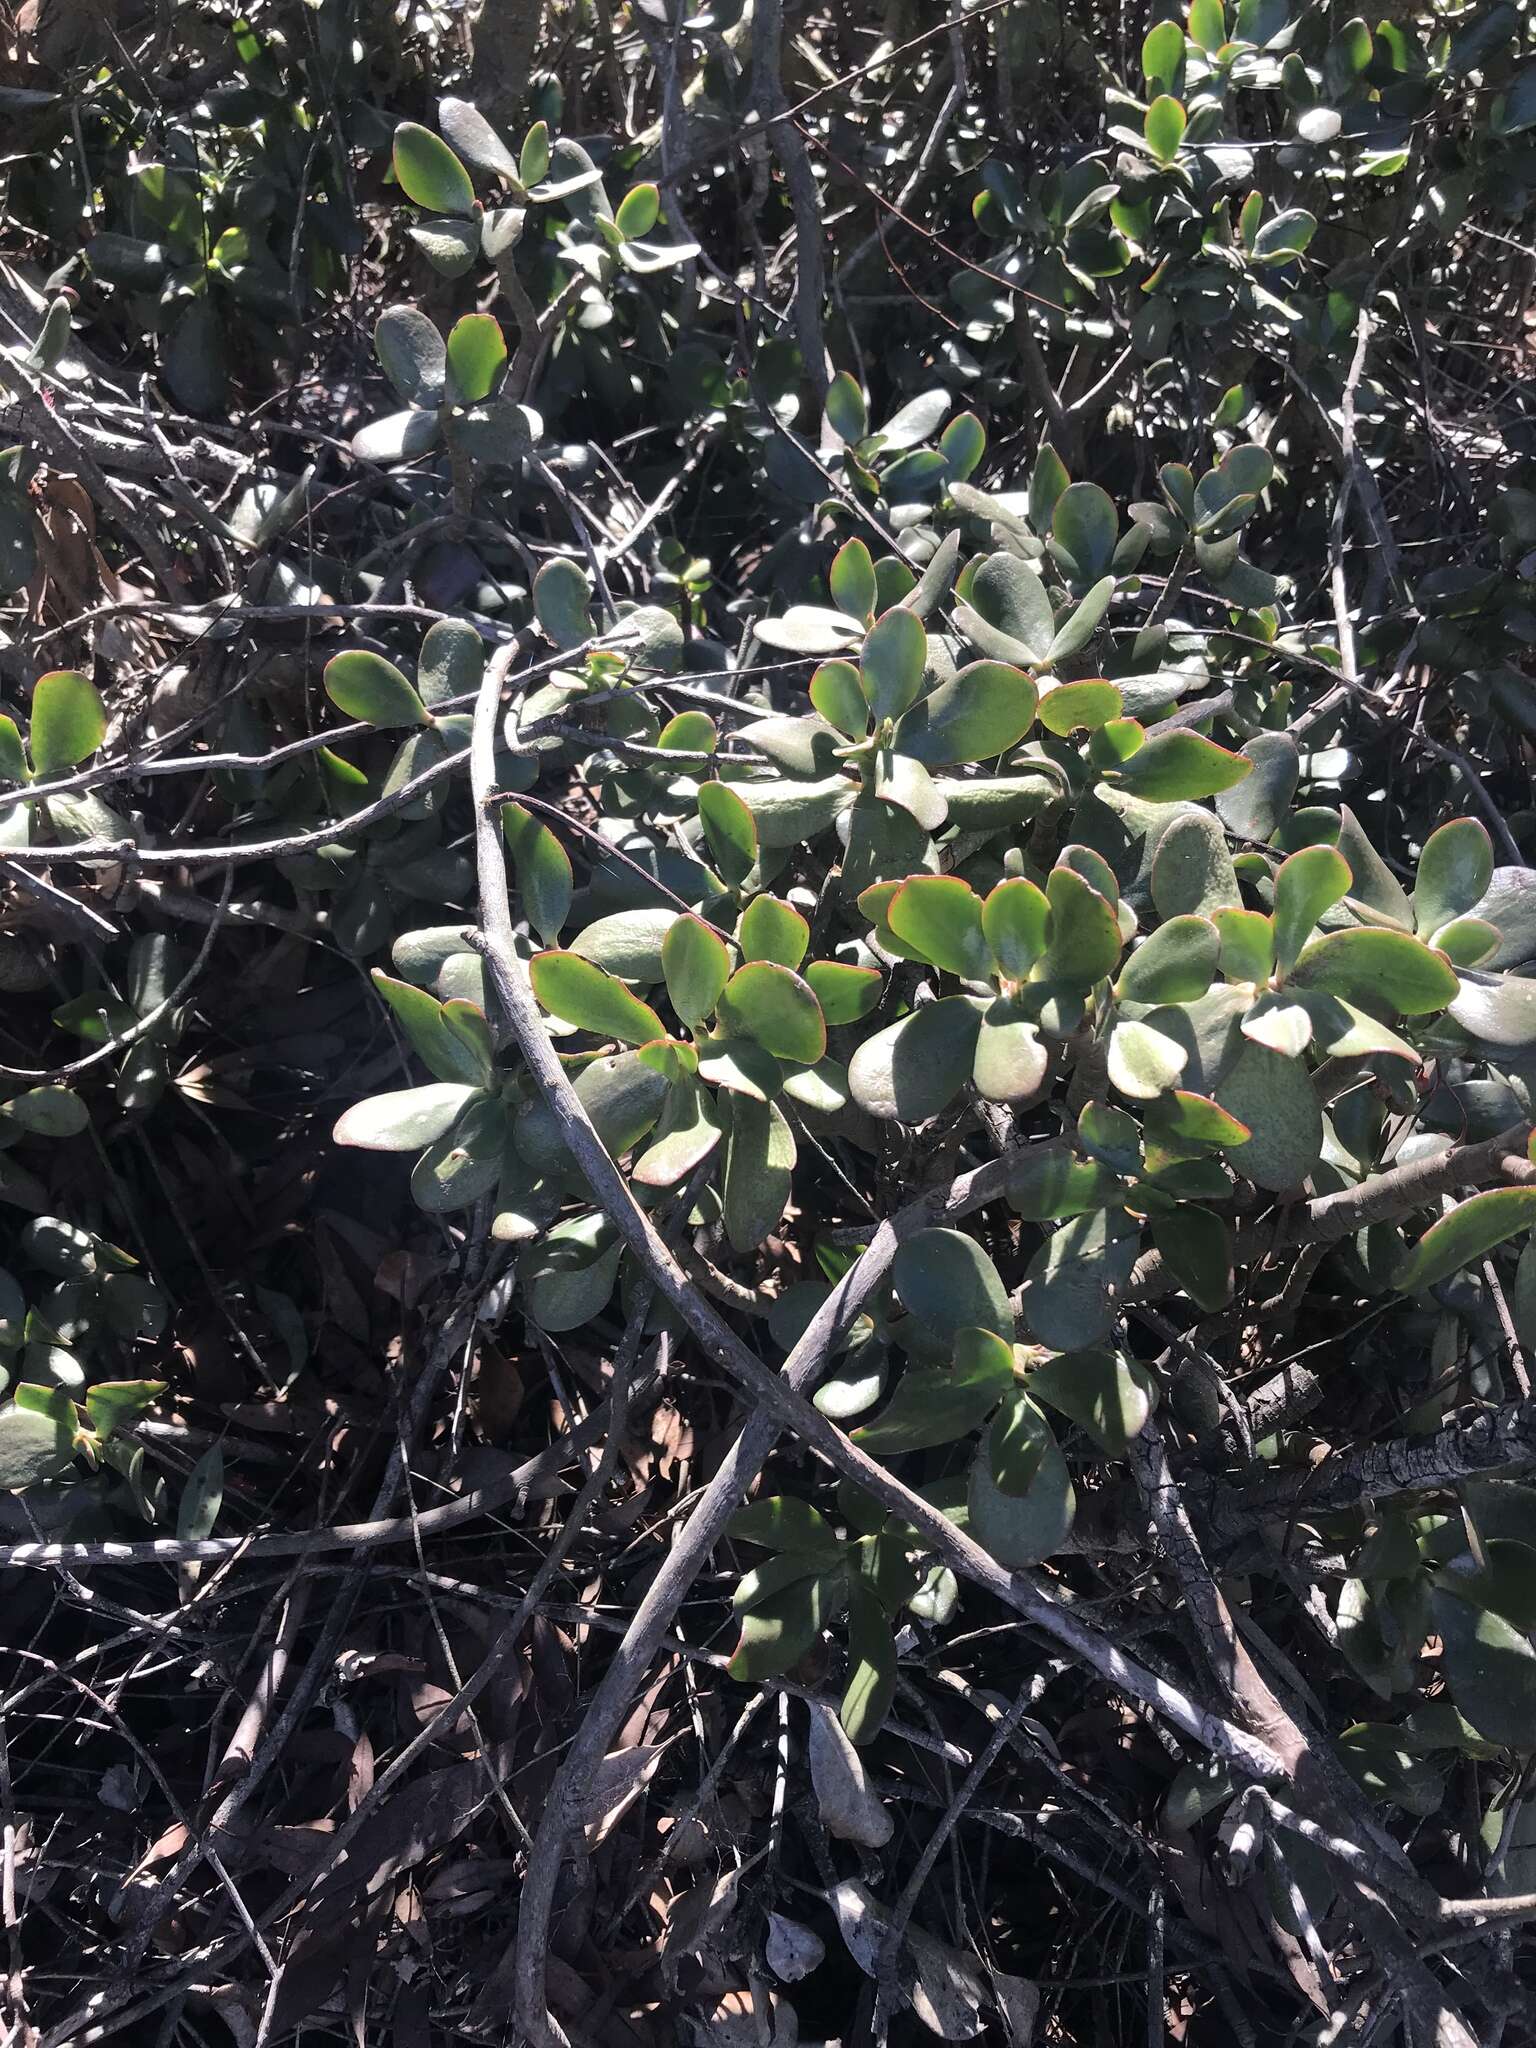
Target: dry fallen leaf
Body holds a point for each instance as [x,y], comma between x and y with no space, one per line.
[791,1950]
[850,1808]
[947,1989]
[755,2018]
[614,1786]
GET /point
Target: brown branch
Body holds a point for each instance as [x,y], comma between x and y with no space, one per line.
[1498,1440]
[1327,1219]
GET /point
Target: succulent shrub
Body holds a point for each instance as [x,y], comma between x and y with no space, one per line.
[986,885]
[1011,721]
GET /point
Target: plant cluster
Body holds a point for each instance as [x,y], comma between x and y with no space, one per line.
[880,754]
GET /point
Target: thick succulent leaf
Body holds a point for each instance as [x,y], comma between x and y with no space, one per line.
[1163,127]
[465,1163]
[845,992]
[937,577]
[937,918]
[1498,1010]
[1372,881]
[1462,1237]
[729,831]
[69,721]
[624,1095]
[1174,964]
[1084,529]
[1016,921]
[399,437]
[1387,1765]
[780,1629]
[962,444]
[773,1006]
[1282,1022]
[1454,872]
[688,1133]
[1192,871]
[1143,1060]
[838,698]
[1273,1095]
[1180,766]
[35,1446]
[48,1112]
[915,1067]
[1112,1136]
[477,355]
[1074,1280]
[691,732]
[891,662]
[1083,621]
[872,1671]
[697,964]
[580,993]
[788,813]
[1019,1494]
[917,420]
[1379,969]
[785,1523]
[1254,808]
[1046,1184]
[562,602]
[1011,1062]
[543,869]
[628,943]
[638,211]
[411,354]
[947,1284]
[475,140]
[1343,1032]
[1490,1666]
[1079,707]
[429,173]
[851,580]
[448,1053]
[1468,941]
[1197,1249]
[1505,1583]
[1510,905]
[1105,1392]
[974,716]
[846,411]
[1085,941]
[1009,596]
[904,781]
[986,803]
[405,1119]
[938,1404]
[856,1384]
[759,1171]
[1247,945]
[366,686]
[805,746]
[451,663]
[1307,885]
[808,629]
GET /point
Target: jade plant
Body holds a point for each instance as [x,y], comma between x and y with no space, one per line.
[65,1337]
[964,890]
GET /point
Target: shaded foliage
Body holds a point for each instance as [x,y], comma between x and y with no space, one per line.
[765,878]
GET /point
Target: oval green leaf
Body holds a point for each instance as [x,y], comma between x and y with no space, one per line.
[583,994]
[429,173]
[366,686]
[69,721]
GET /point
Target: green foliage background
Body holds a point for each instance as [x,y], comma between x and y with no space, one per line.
[788,781]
